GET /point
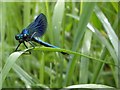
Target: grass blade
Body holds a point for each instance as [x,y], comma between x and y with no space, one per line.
[110,49]
[99,66]
[84,63]
[84,18]
[108,28]
[91,86]
[57,27]
[105,42]
[58,12]
[8,65]
[26,78]
[23,75]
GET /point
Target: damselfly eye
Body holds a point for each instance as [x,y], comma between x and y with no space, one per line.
[17,37]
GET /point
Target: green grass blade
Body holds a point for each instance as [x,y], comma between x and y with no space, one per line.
[100,38]
[42,68]
[49,29]
[108,28]
[57,21]
[90,86]
[84,19]
[28,80]
[71,52]
[57,28]
[104,41]
[115,5]
[99,66]
[84,62]
[8,65]
[110,49]
[26,13]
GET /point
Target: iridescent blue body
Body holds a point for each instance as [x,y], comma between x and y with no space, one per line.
[36,29]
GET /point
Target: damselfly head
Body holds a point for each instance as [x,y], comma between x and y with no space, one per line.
[19,37]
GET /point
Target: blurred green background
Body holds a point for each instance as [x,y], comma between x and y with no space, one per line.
[87,27]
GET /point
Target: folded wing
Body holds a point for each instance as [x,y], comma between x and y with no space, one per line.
[38,27]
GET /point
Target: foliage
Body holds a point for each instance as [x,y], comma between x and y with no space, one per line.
[86,30]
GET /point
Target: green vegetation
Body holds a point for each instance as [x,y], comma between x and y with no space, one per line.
[86,31]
